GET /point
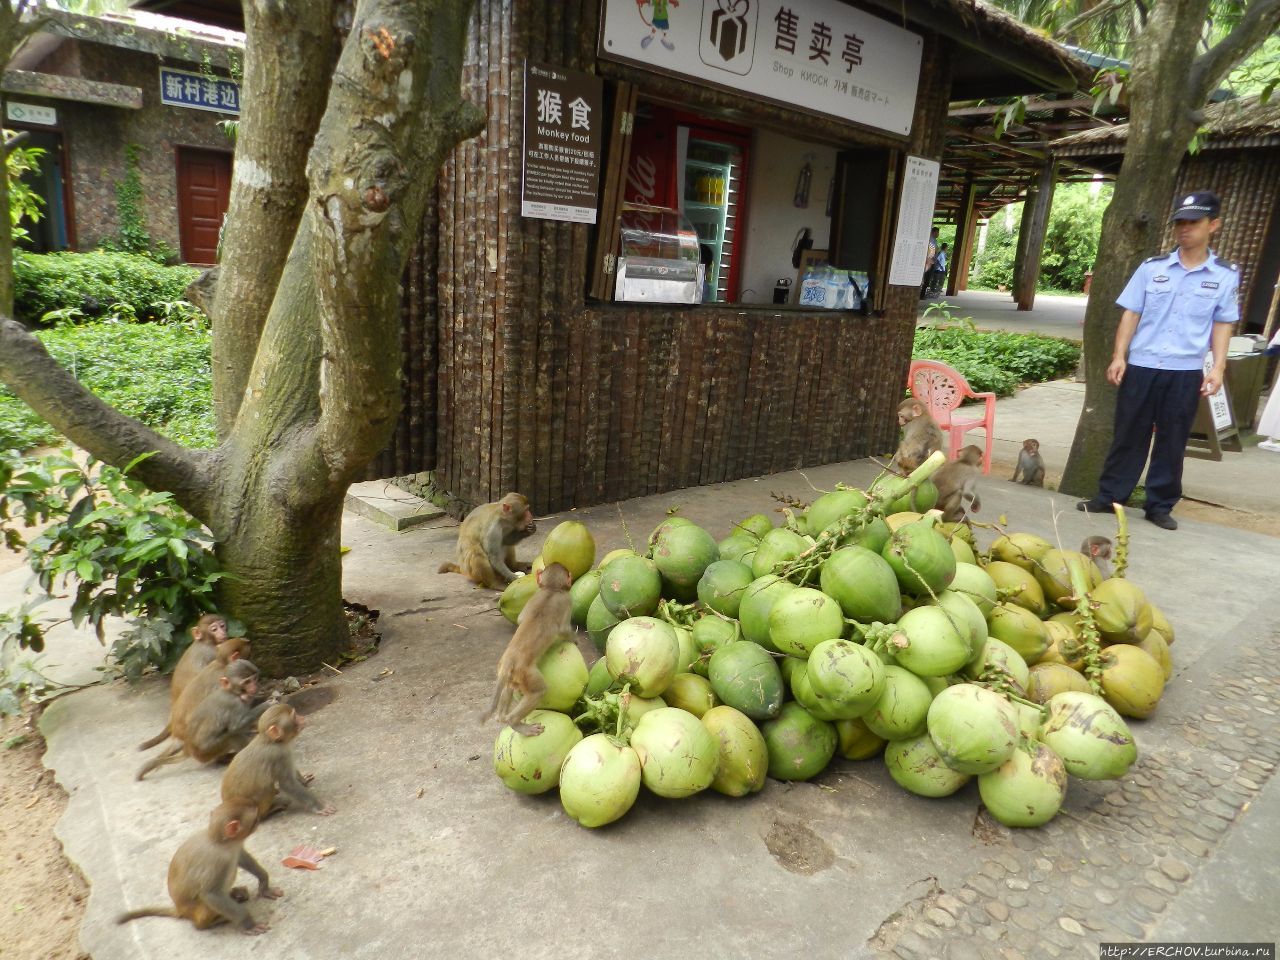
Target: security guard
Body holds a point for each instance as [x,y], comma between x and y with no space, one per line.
[1176,307]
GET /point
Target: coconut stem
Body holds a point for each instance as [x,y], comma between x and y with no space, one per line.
[1088,626]
[1122,540]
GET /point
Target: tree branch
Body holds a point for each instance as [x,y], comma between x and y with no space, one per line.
[1261,19]
[51,391]
[290,51]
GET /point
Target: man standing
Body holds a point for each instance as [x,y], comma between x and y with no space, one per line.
[930,253]
[1176,307]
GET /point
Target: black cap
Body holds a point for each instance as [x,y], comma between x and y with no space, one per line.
[1193,206]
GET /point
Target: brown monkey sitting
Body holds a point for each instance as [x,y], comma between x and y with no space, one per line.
[487,542]
[221,724]
[921,435]
[957,484]
[263,772]
[199,686]
[209,631]
[1030,465]
[203,871]
[545,619]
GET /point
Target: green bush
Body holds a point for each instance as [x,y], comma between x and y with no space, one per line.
[997,362]
[94,283]
[156,373]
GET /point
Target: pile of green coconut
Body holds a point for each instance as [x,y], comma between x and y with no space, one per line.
[860,627]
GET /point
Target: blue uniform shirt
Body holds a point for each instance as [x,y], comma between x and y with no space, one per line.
[1178,309]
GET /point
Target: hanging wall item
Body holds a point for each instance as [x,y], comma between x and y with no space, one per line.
[802,185]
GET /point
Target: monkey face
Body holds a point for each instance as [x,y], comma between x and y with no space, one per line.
[218,630]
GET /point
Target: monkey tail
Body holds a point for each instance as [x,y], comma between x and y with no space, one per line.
[449,568]
[147,912]
[158,739]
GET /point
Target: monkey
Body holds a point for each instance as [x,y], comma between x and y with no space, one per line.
[487,542]
[221,724]
[543,621]
[1030,465]
[209,631]
[1098,549]
[204,681]
[263,772]
[957,484]
[921,435]
[203,871]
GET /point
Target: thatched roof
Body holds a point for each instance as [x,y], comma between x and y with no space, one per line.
[1230,124]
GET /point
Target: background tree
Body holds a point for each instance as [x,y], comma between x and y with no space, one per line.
[343,132]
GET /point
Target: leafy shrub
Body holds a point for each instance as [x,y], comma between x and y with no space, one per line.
[124,551]
[156,373]
[997,362]
[93,283]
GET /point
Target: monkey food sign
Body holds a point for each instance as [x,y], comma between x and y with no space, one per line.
[820,56]
[562,142]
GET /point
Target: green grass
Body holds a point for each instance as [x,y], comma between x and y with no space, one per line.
[997,362]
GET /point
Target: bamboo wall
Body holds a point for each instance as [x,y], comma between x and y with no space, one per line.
[575,403]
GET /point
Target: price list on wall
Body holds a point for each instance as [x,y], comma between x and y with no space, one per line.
[915,218]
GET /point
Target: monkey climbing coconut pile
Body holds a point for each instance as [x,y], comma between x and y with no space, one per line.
[859,628]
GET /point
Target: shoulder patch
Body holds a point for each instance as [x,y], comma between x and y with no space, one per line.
[1161,256]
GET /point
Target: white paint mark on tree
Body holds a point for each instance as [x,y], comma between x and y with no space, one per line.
[252,174]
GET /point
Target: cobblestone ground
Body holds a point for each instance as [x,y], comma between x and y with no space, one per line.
[1107,869]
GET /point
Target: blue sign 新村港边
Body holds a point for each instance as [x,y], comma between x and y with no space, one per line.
[183,88]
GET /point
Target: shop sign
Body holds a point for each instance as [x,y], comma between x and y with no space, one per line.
[31,113]
[820,56]
[562,143]
[182,88]
[915,220]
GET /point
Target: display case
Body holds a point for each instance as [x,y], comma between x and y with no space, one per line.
[658,259]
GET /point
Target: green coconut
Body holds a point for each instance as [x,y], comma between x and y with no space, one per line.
[803,618]
[967,617]
[1022,549]
[600,622]
[757,525]
[519,591]
[1155,645]
[863,584]
[633,708]
[1028,595]
[916,766]
[1053,573]
[788,666]
[921,558]
[921,499]
[645,653]
[1027,790]
[1019,628]
[1121,611]
[565,673]
[599,781]
[613,555]
[744,756]
[1064,645]
[688,649]
[757,602]
[683,552]
[531,764]
[848,676]
[599,679]
[1029,720]
[974,729]
[976,584]
[691,693]
[1160,622]
[584,590]
[873,535]
[777,546]
[1090,737]
[722,585]
[709,634]
[744,676]
[1132,680]
[630,587]
[999,655]
[1046,680]
[964,553]
[571,545]
[831,508]
[937,643]
[800,745]
[739,546]
[678,755]
[856,741]
[802,692]
[901,710]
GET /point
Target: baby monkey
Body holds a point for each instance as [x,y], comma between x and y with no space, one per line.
[263,772]
[957,484]
[544,620]
[1030,465]
[1098,549]
[203,871]
[921,435]
[487,542]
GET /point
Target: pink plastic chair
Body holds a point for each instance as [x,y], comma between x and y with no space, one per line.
[942,389]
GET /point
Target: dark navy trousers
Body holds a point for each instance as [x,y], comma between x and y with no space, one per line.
[1161,400]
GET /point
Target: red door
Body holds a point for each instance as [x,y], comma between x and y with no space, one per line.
[204,189]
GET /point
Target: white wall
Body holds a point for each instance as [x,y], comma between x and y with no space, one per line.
[773,220]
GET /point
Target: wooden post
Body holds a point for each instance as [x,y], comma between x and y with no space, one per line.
[961,248]
[970,240]
[1035,223]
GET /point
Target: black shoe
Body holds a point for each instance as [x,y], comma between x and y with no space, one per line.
[1094,506]
[1163,520]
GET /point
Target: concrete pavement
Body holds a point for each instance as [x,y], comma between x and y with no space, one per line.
[435,858]
[1052,316]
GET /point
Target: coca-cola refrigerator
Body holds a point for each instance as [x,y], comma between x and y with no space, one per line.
[712,169]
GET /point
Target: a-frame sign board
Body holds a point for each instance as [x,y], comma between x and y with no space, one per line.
[1214,428]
